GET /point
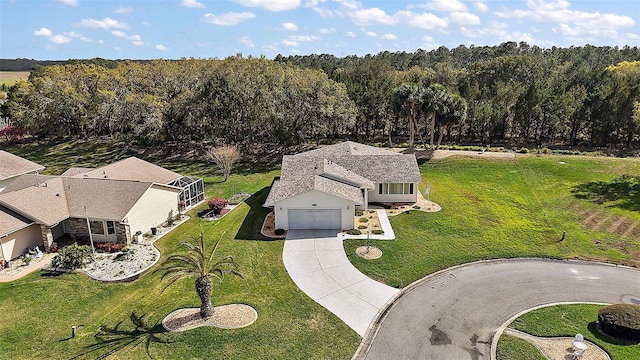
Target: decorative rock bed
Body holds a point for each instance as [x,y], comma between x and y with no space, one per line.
[123,265]
[369,252]
[231,316]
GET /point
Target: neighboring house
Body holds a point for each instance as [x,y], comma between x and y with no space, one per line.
[12,166]
[118,201]
[321,189]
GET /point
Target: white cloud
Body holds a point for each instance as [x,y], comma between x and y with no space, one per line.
[290,43]
[74,34]
[123,10]
[43,32]
[446,5]
[161,47]
[327,31]
[351,34]
[60,39]
[427,21]
[482,7]
[497,31]
[271,5]
[106,23]
[135,39]
[247,41]
[428,43]
[69,2]
[230,18]
[372,34]
[192,4]
[323,13]
[570,23]
[388,37]
[120,34]
[303,38]
[290,26]
[464,18]
[363,17]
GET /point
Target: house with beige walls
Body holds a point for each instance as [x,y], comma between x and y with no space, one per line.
[322,188]
[12,166]
[112,203]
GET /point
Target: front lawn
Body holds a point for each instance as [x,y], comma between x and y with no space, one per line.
[509,208]
[568,320]
[37,312]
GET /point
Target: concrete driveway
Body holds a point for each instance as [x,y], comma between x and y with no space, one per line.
[317,263]
[454,314]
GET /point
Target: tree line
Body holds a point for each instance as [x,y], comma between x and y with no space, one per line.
[512,94]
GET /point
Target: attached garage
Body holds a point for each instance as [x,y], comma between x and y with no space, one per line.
[315,219]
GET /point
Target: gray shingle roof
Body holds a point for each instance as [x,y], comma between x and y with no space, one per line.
[132,169]
[345,168]
[58,198]
[13,165]
[11,221]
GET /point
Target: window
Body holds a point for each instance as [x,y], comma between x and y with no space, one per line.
[97,227]
[111,227]
[395,188]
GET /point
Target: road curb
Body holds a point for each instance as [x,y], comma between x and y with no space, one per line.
[374,327]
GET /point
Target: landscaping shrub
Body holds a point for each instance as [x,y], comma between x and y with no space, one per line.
[620,320]
[279,232]
[217,204]
[416,207]
[72,257]
[523,150]
[377,231]
[359,212]
[362,226]
[363,220]
[354,232]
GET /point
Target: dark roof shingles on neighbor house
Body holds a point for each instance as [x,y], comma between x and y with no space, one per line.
[344,168]
[12,165]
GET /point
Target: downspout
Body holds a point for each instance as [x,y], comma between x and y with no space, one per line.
[2,249]
[366,199]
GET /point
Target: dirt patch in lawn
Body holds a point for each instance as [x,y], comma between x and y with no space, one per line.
[226,317]
[369,252]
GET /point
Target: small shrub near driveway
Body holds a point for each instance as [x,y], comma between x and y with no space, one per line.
[363,220]
[354,232]
[621,320]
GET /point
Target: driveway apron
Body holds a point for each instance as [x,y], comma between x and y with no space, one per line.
[317,263]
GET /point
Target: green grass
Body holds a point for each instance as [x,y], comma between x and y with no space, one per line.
[37,312]
[513,348]
[503,209]
[568,320]
[491,209]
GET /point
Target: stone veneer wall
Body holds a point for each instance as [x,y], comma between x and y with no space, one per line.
[78,228]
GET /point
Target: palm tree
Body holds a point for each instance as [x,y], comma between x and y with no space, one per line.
[436,99]
[406,102]
[457,107]
[196,262]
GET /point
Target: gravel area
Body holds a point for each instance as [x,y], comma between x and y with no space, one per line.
[231,316]
[120,266]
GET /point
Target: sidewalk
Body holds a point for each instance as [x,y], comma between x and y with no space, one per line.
[44,262]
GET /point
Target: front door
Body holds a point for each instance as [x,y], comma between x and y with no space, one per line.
[111,231]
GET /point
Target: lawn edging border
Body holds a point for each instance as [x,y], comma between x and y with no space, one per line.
[374,327]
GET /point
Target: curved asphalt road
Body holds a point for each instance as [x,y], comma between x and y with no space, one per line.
[455,313]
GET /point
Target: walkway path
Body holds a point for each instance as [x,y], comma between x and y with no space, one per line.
[317,263]
[457,313]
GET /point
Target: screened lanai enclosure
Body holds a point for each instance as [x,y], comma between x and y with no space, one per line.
[192,190]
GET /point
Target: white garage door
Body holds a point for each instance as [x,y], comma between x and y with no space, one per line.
[315,219]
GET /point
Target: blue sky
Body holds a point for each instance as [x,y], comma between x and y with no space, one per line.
[171,29]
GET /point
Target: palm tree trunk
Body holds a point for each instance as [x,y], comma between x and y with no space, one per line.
[433,129]
[204,287]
